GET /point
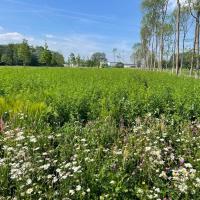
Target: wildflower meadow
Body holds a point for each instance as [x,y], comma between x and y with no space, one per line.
[98,134]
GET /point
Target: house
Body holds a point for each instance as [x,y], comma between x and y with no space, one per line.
[103,64]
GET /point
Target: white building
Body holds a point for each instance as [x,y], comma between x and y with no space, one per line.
[129,66]
[114,64]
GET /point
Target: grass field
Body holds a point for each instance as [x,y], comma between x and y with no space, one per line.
[98,134]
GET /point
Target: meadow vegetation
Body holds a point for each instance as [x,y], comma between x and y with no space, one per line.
[98,134]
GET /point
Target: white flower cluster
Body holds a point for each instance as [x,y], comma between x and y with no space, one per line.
[146,162]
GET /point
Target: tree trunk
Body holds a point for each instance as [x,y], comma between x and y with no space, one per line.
[197,46]
[174,54]
[161,51]
[193,53]
[156,53]
[183,51]
[164,14]
[152,52]
[178,37]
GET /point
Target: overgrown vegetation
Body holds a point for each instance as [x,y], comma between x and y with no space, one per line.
[98,134]
[25,54]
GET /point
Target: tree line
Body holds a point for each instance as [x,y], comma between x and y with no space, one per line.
[26,55]
[97,59]
[23,54]
[169,38]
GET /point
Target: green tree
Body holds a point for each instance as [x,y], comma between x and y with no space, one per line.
[138,55]
[72,60]
[45,56]
[24,53]
[184,24]
[78,60]
[97,58]
[178,37]
[57,59]
[6,60]
[194,7]
[145,34]
[155,12]
[35,55]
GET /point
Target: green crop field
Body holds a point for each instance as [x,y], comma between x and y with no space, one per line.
[98,134]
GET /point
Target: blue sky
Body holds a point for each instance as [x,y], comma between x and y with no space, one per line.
[80,26]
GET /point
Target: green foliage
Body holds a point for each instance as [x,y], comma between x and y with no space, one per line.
[6,59]
[87,93]
[97,58]
[72,60]
[9,54]
[98,134]
[46,56]
[24,54]
[186,59]
[119,65]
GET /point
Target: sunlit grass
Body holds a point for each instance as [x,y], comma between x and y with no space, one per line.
[98,134]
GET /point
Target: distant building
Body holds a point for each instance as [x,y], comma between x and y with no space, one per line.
[70,65]
[103,64]
[115,64]
[112,64]
[107,64]
[129,66]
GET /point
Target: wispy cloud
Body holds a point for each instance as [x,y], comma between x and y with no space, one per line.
[1,28]
[67,40]
[46,10]
[49,36]
[82,44]
[87,44]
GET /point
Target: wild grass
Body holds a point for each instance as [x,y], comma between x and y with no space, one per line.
[98,134]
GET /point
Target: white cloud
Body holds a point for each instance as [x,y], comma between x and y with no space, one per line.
[13,37]
[87,44]
[77,43]
[50,36]
[83,44]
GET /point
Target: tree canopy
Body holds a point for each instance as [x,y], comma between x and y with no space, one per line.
[27,55]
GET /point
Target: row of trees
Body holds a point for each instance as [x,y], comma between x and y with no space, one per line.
[97,59]
[169,39]
[24,54]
